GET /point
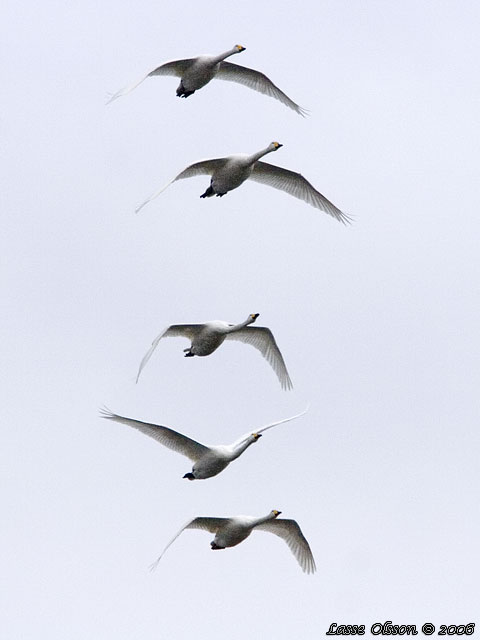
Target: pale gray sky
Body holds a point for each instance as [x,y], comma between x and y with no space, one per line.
[378,322]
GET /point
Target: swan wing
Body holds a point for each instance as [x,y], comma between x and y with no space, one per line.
[297,186]
[174,68]
[184,330]
[207,524]
[204,167]
[290,531]
[258,82]
[168,437]
[262,339]
[267,426]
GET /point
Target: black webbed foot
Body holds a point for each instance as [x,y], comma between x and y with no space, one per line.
[208,193]
[182,93]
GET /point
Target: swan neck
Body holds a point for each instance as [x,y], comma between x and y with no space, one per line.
[226,54]
[266,518]
[236,327]
[260,154]
[241,447]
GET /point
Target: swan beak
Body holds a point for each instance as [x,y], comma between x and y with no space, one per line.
[256,436]
[277,513]
[240,48]
[254,316]
[277,145]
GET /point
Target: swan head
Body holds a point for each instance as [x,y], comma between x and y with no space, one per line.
[190,476]
[238,48]
[275,146]
[252,317]
[256,436]
[274,513]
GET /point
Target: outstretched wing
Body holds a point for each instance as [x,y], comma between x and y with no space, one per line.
[289,531]
[173,68]
[168,437]
[204,167]
[266,427]
[207,524]
[175,330]
[297,186]
[258,82]
[262,339]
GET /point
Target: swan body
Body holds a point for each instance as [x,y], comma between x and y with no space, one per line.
[195,73]
[230,172]
[232,531]
[206,338]
[208,461]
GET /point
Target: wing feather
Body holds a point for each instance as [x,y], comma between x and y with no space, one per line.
[203,167]
[175,330]
[262,339]
[297,186]
[207,524]
[258,82]
[266,427]
[173,68]
[291,533]
[168,437]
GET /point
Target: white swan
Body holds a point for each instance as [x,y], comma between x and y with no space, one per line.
[206,338]
[195,73]
[230,172]
[208,460]
[231,531]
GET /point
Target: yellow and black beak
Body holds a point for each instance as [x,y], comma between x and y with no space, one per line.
[240,48]
[256,436]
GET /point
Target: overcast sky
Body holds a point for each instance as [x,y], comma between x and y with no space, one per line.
[378,322]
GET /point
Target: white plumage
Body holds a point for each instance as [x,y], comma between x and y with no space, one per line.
[206,338]
[230,172]
[208,460]
[231,531]
[195,73]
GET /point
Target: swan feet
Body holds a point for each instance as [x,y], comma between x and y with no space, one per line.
[208,193]
[215,546]
[182,93]
[188,353]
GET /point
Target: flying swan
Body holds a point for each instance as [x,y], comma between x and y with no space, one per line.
[206,338]
[231,531]
[230,172]
[195,73]
[208,461]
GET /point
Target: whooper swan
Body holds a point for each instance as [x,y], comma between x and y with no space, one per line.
[230,172]
[208,461]
[206,338]
[195,73]
[231,531]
